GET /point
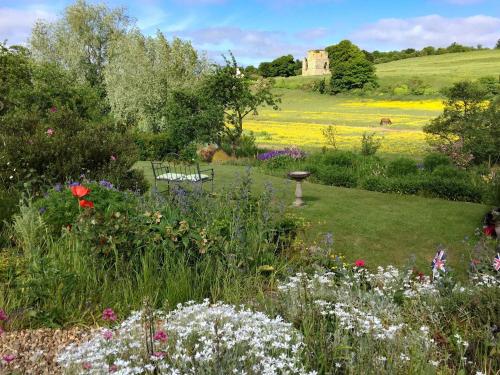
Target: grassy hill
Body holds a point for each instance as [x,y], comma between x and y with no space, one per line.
[437,71]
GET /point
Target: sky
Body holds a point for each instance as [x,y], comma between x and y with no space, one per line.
[261,30]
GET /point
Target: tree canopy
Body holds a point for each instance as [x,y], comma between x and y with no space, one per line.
[349,67]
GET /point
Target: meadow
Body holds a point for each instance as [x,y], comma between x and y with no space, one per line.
[437,71]
[303,116]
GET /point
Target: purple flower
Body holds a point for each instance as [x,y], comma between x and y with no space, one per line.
[74,183]
[53,109]
[106,184]
[109,315]
[3,315]
[58,187]
[292,152]
[42,210]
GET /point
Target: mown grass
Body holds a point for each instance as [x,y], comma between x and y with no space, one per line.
[436,71]
[380,228]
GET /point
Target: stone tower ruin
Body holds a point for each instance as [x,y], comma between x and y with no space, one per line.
[316,63]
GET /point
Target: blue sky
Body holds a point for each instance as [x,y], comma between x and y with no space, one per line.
[260,30]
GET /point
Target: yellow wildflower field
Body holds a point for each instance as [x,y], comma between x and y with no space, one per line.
[303,116]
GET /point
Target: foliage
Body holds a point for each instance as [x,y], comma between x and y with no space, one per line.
[433,160]
[192,117]
[9,201]
[350,68]
[153,146]
[468,125]
[330,134]
[144,73]
[401,167]
[81,40]
[336,176]
[246,147]
[158,248]
[54,129]
[370,144]
[284,66]
[238,97]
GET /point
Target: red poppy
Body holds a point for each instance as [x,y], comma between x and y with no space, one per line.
[86,204]
[489,230]
[359,263]
[79,191]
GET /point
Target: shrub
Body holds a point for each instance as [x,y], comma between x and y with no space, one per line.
[246,146]
[449,172]
[153,146]
[338,158]
[452,189]
[370,144]
[336,176]
[9,202]
[433,160]
[401,167]
[401,90]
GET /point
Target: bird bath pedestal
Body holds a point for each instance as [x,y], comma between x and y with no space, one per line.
[298,177]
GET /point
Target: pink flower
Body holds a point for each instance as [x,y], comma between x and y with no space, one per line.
[359,263]
[113,158]
[159,355]
[9,358]
[160,336]
[109,314]
[87,365]
[3,315]
[113,368]
[108,335]
[50,132]
[53,109]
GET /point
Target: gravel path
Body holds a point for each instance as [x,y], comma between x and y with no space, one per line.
[35,351]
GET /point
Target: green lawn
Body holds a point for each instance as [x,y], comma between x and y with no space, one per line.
[437,71]
[380,228]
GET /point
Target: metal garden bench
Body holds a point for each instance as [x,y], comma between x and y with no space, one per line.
[174,170]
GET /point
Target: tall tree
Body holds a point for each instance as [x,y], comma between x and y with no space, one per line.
[143,71]
[81,40]
[238,97]
[349,67]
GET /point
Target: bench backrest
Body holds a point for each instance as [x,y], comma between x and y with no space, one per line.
[173,164]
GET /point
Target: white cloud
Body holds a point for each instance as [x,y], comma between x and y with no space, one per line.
[312,34]
[431,30]
[249,46]
[16,24]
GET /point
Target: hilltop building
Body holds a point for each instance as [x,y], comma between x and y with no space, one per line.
[316,63]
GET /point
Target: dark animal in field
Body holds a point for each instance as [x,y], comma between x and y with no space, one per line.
[385,121]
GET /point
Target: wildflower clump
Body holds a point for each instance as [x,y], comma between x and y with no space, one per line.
[195,338]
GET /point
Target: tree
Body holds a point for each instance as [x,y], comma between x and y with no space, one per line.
[193,117]
[497,45]
[143,71]
[350,67]
[238,97]
[284,66]
[469,124]
[80,40]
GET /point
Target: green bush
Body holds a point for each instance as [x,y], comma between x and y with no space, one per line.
[153,146]
[452,189]
[433,160]
[338,158]
[336,176]
[9,201]
[370,144]
[449,172]
[401,167]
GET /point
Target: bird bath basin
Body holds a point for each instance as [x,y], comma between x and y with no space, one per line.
[298,176]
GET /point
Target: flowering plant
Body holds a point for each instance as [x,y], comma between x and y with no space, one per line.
[292,152]
[195,338]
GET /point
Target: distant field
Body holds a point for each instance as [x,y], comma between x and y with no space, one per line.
[437,71]
[303,115]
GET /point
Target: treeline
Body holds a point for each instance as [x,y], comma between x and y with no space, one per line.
[287,66]
[378,57]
